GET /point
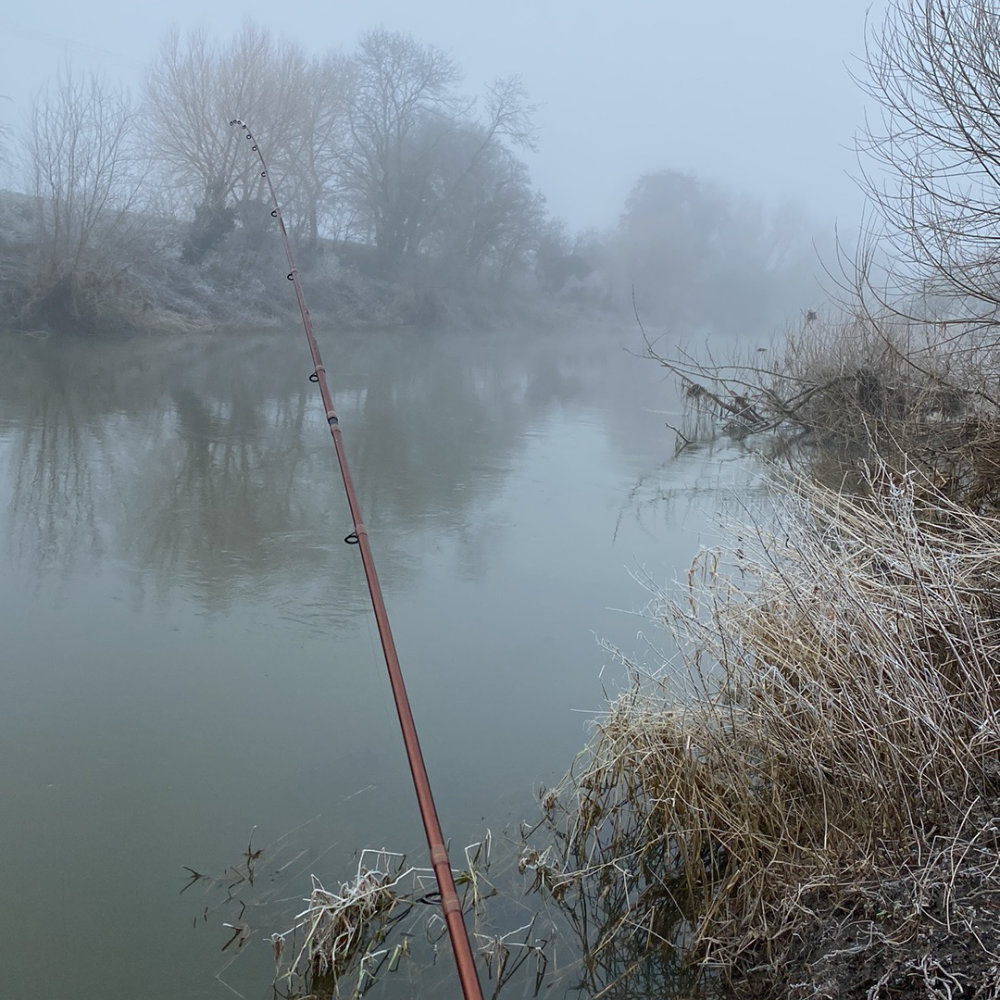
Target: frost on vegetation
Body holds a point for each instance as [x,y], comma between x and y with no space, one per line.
[835,776]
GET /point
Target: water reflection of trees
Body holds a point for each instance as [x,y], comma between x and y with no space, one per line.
[207,465]
[53,509]
[211,509]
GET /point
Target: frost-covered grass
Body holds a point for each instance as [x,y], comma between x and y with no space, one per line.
[835,771]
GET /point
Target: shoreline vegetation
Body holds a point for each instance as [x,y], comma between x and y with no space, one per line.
[143,285]
[152,291]
[807,804]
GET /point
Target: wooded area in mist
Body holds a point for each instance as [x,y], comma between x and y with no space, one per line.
[401,194]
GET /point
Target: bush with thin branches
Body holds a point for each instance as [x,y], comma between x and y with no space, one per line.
[850,389]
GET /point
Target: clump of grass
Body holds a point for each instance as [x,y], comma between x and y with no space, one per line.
[345,942]
[834,771]
[341,931]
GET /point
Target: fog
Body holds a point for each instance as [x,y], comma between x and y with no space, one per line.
[757,97]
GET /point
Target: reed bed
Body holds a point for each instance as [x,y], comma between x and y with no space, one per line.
[817,817]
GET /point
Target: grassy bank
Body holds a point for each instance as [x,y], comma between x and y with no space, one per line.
[807,806]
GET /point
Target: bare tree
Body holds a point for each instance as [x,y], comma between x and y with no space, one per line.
[86,177]
[196,87]
[400,107]
[310,163]
[688,251]
[488,215]
[415,145]
[931,158]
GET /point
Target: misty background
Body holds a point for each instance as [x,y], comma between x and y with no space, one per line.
[754,96]
[756,102]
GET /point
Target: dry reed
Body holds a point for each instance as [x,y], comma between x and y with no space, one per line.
[346,942]
[833,775]
[341,931]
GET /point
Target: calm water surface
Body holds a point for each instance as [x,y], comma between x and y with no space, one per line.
[188,652]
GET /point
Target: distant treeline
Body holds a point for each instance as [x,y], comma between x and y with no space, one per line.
[398,190]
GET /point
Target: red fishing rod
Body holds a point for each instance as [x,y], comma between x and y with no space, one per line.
[450,904]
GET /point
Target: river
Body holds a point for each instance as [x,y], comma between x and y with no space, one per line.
[190,664]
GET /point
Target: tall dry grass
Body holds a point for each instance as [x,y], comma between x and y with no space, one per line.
[845,725]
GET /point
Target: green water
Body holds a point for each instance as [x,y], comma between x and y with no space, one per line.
[188,652]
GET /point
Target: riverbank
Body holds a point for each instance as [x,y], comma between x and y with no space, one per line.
[139,282]
[805,805]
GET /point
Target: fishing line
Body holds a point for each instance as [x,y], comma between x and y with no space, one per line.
[450,905]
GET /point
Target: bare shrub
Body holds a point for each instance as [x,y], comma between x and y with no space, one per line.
[929,156]
[838,392]
[86,177]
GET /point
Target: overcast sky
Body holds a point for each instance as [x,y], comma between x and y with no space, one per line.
[754,95]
